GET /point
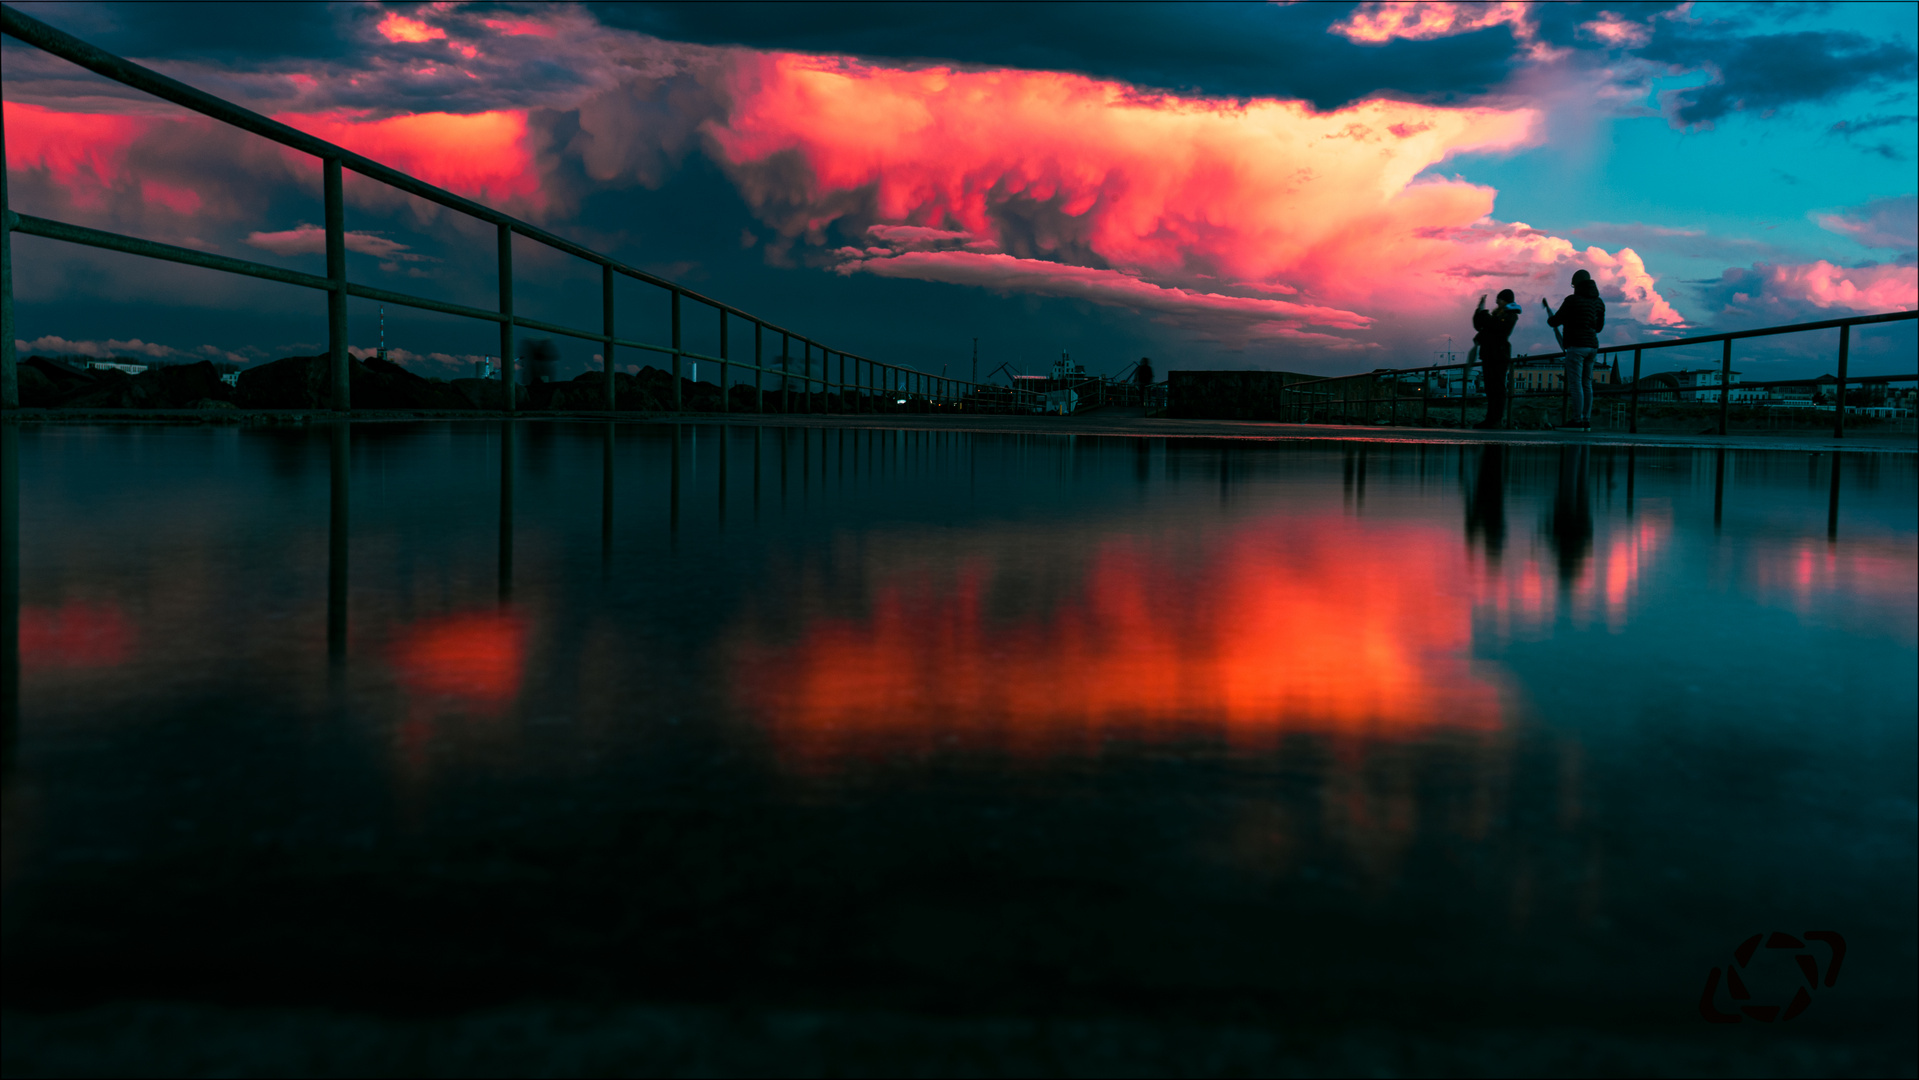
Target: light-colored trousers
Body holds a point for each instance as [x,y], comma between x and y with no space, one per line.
[1579,384]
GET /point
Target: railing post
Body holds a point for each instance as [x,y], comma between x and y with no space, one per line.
[1839,402]
[759,387]
[339,374]
[9,359]
[606,319]
[1725,384]
[506,319]
[1426,397]
[678,396]
[1633,427]
[786,374]
[726,387]
[341,461]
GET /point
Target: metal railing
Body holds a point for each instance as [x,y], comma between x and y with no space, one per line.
[1333,397]
[868,386]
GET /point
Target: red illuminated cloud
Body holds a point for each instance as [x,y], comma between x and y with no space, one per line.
[87,156]
[1201,213]
[1206,313]
[397,27]
[480,155]
[1070,186]
[83,152]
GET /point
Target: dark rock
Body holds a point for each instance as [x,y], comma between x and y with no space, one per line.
[382,384]
[44,382]
[175,386]
[302,382]
[484,394]
[293,382]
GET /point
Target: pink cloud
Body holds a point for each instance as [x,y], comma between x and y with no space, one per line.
[1377,22]
[398,28]
[1063,185]
[311,239]
[1882,223]
[180,200]
[53,343]
[1616,30]
[521,27]
[82,151]
[1212,314]
[480,155]
[1806,291]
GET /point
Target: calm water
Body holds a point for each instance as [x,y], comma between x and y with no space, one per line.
[1293,734]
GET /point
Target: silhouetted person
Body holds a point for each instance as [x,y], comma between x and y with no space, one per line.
[1570,524]
[1581,317]
[1144,377]
[1486,505]
[1493,334]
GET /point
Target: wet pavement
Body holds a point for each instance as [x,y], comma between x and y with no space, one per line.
[833,749]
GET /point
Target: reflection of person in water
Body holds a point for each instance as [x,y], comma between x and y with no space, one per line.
[1570,524]
[1486,505]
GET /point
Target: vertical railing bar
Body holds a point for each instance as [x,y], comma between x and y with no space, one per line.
[9,358]
[726,404]
[759,385]
[679,403]
[506,319]
[1725,384]
[1633,425]
[606,355]
[1839,400]
[340,372]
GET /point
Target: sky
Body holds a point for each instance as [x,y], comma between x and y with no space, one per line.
[1304,187]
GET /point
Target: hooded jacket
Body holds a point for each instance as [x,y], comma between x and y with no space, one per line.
[1495,331]
[1582,316]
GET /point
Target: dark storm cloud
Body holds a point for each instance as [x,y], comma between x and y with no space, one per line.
[1766,72]
[208,31]
[1229,50]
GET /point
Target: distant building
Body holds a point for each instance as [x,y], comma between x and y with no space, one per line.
[231,378]
[108,365]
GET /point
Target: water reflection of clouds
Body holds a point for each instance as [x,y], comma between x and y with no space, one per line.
[1869,585]
[466,668]
[76,634]
[1275,626]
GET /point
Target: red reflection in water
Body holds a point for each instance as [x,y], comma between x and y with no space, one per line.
[76,634]
[1282,625]
[1873,583]
[476,659]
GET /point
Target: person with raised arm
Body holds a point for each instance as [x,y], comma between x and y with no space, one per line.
[1581,316]
[1493,338]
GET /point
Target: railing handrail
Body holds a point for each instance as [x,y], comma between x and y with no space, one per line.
[1656,343]
[40,35]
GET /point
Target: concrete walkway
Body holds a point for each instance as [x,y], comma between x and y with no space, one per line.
[1104,422]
